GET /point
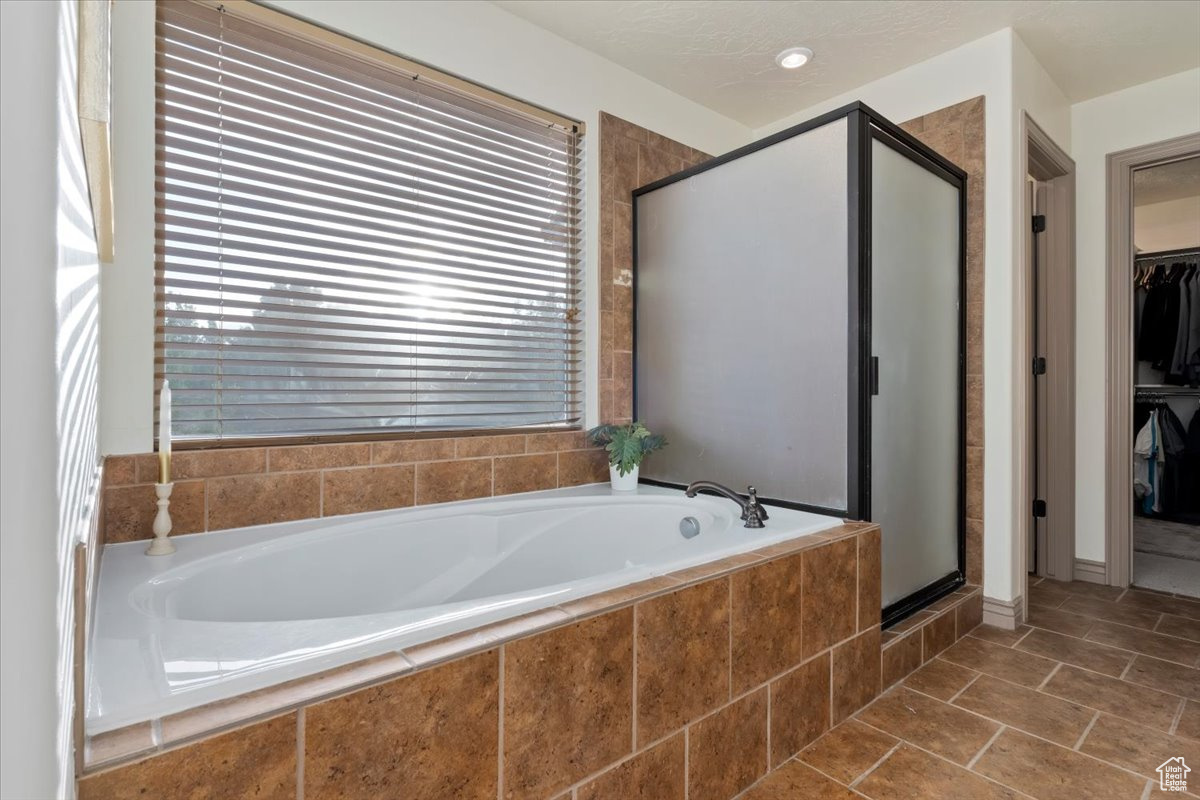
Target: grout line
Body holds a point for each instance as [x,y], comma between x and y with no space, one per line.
[1148,790]
[300,745]
[729,613]
[633,712]
[970,764]
[1046,679]
[1128,667]
[899,743]
[958,694]
[1086,731]
[1023,635]
[1178,716]
[500,734]
[687,748]
[1022,731]
[768,772]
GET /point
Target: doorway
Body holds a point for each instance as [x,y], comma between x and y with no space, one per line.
[1151,536]
[1048,489]
[1166,377]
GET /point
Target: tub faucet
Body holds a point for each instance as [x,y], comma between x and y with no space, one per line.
[753,512]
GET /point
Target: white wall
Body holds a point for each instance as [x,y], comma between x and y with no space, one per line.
[1169,225]
[475,40]
[48,342]
[1000,68]
[1150,112]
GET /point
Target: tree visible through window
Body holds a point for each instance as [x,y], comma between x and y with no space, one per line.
[346,248]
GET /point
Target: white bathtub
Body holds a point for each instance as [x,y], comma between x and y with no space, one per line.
[240,610]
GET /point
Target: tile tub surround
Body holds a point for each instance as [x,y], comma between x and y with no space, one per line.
[647,692]
[231,488]
[919,638]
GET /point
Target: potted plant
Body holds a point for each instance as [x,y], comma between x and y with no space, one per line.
[627,445]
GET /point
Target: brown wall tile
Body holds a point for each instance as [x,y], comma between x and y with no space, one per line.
[443,481]
[214,463]
[321,456]
[120,470]
[830,595]
[901,658]
[526,473]
[476,446]
[554,442]
[576,467]
[856,674]
[654,774]
[766,619]
[258,761]
[429,735]
[682,657]
[727,751]
[412,450]
[799,708]
[129,511]
[258,499]
[870,579]
[568,697]
[939,633]
[349,491]
[970,614]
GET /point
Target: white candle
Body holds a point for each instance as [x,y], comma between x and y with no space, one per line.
[164,433]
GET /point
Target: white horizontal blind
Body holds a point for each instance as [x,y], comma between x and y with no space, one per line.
[345,249]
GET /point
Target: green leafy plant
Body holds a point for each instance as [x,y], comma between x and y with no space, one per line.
[627,445]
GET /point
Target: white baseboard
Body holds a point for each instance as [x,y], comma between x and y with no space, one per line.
[1006,614]
[1090,571]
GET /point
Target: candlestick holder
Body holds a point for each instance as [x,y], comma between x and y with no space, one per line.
[161,546]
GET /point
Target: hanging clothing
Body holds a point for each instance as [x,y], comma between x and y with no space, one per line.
[1148,458]
[1179,354]
[1152,333]
[1191,361]
[1173,438]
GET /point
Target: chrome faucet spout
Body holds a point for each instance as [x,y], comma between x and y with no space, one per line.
[753,513]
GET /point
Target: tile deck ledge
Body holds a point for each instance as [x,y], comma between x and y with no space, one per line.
[140,740]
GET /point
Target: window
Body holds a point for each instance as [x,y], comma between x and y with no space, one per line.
[348,243]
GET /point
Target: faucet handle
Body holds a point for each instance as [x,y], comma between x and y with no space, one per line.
[753,503]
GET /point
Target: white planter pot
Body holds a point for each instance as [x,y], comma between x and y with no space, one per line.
[623,483]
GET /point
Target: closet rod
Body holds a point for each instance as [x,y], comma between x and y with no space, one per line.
[1166,391]
[1187,251]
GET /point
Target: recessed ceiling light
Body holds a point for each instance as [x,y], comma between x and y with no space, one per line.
[794,57]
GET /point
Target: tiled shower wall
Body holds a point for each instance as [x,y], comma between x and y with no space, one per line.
[957,132]
[229,488]
[630,157]
[697,690]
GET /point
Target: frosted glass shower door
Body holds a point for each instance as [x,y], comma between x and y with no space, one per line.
[742,307]
[915,335]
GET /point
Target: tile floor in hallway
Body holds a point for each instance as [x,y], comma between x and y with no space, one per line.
[1084,702]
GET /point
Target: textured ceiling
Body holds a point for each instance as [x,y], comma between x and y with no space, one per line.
[1173,181]
[721,53]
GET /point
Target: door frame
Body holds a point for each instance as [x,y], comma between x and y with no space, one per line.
[1054,171]
[1118,373]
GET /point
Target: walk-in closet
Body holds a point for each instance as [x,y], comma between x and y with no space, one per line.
[1166,391]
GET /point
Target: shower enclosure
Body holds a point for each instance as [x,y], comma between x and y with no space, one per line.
[799,323]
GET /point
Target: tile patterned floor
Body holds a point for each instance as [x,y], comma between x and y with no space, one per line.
[1084,702]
